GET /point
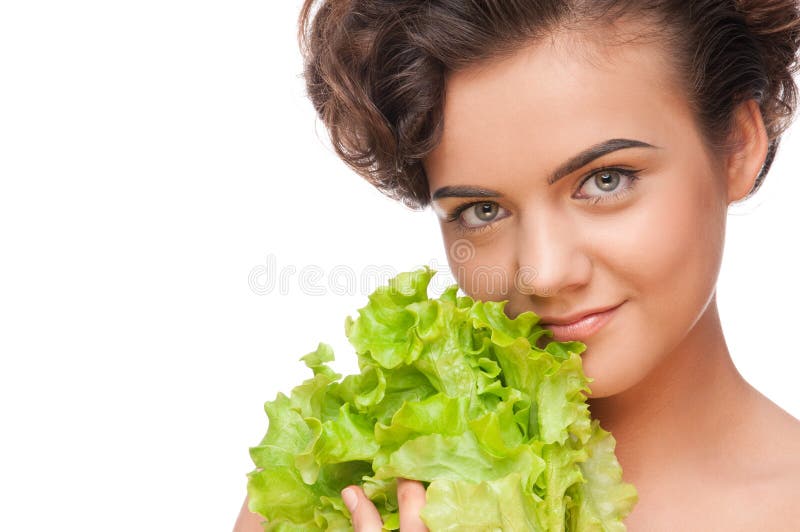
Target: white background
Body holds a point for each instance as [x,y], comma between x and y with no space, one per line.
[153,155]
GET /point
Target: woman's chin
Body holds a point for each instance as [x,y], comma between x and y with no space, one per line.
[608,377]
[610,373]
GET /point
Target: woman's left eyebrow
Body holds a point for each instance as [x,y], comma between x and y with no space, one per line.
[573,163]
[595,152]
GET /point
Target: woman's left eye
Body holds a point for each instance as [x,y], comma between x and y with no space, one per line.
[607,181]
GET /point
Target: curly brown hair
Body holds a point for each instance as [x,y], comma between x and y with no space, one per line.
[375,70]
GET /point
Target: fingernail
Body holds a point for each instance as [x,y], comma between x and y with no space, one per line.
[350,499]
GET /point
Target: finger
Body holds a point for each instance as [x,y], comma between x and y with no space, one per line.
[364,514]
[410,500]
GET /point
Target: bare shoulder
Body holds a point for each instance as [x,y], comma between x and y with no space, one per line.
[248,521]
[779,433]
[777,490]
[778,496]
[788,470]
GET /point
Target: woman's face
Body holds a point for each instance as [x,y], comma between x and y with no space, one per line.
[647,232]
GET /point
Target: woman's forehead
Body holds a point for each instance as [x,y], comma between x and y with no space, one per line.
[550,83]
[547,99]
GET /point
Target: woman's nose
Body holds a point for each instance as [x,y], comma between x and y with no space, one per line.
[551,258]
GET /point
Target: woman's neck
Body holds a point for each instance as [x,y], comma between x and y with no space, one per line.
[683,415]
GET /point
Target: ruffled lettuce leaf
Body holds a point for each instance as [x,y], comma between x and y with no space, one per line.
[451,392]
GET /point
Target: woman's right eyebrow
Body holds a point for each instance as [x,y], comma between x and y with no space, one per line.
[464,191]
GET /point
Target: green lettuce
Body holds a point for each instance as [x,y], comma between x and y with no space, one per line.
[451,392]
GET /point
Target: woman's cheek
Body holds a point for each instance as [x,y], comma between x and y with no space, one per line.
[481,272]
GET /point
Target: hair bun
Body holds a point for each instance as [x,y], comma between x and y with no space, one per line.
[776,26]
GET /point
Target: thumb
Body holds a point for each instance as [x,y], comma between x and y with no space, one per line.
[364,514]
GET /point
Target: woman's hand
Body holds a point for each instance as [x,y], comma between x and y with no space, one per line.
[410,500]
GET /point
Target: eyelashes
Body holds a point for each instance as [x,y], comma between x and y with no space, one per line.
[631,175]
[456,215]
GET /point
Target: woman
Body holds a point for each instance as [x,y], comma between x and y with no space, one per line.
[581,156]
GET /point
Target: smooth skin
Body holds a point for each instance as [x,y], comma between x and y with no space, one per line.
[705,450]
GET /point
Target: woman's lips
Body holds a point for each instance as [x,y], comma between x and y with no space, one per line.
[583,328]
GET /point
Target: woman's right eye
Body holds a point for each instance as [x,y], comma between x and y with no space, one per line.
[475,216]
